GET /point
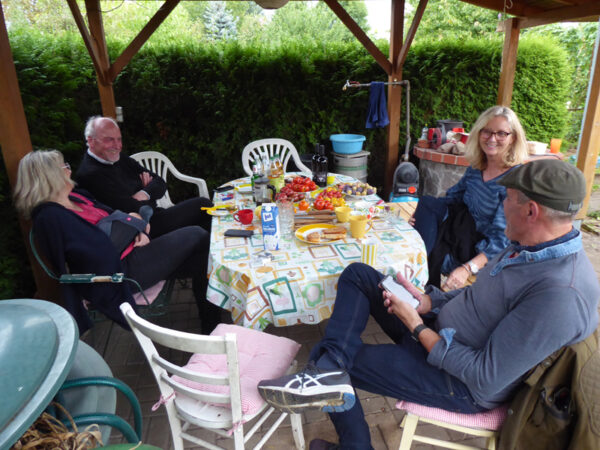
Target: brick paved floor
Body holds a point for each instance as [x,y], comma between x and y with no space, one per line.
[126,360]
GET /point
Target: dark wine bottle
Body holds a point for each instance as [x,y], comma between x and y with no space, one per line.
[315,163]
[320,177]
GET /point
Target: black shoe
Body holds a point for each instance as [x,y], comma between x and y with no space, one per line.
[328,390]
[321,444]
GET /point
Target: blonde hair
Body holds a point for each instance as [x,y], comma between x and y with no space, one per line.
[40,178]
[516,154]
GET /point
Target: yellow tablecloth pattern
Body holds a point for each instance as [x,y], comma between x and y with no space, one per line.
[299,285]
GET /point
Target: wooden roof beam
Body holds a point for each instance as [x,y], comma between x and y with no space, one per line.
[567,13]
[399,62]
[360,35]
[85,34]
[144,34]
[498,5]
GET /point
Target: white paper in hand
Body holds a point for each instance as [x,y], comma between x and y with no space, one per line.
[390,285]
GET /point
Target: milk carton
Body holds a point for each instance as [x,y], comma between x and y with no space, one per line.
[270,226]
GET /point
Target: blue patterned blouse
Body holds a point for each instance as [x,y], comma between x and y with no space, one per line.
[484,200]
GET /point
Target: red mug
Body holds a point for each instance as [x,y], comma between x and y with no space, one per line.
[244,216]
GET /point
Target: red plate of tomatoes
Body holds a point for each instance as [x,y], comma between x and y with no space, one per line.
[295,190]
[302,184]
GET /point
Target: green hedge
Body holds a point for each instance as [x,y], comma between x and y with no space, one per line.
[201,105]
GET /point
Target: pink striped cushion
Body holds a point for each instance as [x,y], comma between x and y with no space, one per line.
[488,420]
[151,294]
[262,356]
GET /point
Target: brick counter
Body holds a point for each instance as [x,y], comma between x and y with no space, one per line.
[438,171]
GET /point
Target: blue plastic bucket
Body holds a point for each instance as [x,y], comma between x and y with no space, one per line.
[347,143]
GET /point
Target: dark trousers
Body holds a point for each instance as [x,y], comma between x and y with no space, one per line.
[183,214]
[429,215]
[397,370]
[182,253]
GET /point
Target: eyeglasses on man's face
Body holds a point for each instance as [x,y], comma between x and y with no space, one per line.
[486,133]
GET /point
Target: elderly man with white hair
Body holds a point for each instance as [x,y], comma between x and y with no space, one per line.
[120,182]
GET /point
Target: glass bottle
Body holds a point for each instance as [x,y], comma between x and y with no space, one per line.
[266,165]
[315,162]
[255,174]
[320,178]
[276,173]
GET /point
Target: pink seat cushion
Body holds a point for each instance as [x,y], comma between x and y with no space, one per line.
[488,420]
[151,294]
[261,356]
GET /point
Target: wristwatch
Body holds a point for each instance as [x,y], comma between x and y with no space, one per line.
[473,267]
[417,331]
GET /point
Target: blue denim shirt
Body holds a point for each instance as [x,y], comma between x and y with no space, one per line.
[519,311]
[565,245]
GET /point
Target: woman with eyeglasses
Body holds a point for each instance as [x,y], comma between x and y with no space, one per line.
[465,229]
[66,222]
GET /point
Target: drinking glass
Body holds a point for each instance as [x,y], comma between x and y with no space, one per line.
[286,218]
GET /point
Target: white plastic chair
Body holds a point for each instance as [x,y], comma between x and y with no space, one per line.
[161,165]
[187,406]
[271,147]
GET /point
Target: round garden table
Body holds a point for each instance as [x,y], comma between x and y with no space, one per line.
[38,340]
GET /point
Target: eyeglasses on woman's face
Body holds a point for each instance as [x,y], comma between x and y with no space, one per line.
[486,133]
[66,166]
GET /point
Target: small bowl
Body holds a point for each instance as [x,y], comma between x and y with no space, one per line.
[347,143]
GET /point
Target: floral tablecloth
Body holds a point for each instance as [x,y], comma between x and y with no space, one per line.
[299,283]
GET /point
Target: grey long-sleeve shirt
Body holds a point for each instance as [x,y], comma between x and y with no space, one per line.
[518,312]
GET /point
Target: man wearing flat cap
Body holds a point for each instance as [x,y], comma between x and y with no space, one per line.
[466,350]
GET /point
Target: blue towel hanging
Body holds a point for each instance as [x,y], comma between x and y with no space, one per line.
[377,116]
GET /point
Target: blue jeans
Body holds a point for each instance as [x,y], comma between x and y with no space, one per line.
[397,370]
[429,215]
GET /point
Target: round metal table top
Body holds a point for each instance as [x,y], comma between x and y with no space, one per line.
[38,340]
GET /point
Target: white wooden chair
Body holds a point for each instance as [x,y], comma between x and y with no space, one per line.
[188,406]
[271,147]
[485,424]
[160,164]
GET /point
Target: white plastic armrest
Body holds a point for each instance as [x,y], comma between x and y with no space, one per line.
[202,188]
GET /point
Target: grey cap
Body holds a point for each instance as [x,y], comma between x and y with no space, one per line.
[549,182]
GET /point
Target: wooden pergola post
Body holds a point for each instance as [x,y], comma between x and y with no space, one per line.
[394,94]
[589,142]
[16,143]
[509,61]
[14,133]
[105,85]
